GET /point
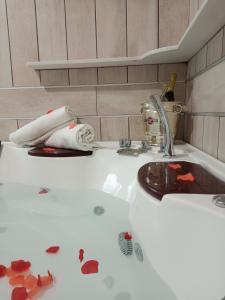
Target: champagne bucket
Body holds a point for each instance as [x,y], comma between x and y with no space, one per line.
[153,128]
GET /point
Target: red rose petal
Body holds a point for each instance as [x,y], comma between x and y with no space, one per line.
[127,236]
[186,177]
[19,293]
[30,281]
[17,280]
[174,166]
[49,111]
[81,255]
[90,267]
[43,191]
[53,249]
[72,125]
[39,283]
[48,149]
[2,271]
[20,266]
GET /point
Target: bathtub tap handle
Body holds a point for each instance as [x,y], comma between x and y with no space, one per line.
[125,143]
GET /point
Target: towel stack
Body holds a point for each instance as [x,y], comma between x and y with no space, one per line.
[55,129]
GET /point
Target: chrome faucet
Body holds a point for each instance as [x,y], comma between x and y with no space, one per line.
[168,140]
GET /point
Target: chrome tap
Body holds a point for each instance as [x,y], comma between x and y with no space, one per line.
[168,140]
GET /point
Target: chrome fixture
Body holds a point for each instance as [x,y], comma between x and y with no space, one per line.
[219,200]
[125,143]
[168,140]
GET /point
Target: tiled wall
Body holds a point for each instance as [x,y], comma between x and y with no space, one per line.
[107,98]
[205,122]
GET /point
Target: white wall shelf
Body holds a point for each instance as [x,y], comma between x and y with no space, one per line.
[208,20]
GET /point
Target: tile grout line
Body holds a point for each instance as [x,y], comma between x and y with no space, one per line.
[66,37]
[10,53]
[38,52]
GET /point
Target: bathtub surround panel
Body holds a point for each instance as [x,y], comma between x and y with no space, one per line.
[81,38]
[111,28]
[205,90]
[5,63]
[142,26]
[173,21]
[23,41]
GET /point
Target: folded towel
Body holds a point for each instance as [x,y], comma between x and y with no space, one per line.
[74,136]
[39,130]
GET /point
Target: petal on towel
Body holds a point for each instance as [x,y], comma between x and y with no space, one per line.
[49,111]
[72,125]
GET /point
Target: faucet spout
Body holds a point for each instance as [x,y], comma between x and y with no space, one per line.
[168,140]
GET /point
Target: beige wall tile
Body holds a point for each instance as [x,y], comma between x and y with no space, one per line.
[180,91]
[124,99]
[111,28]
[142,26]
[214,48]
[33,102]
[200,2]
[165,71]
[193,9]
[223,40]
[208,90]
[112,75]
[23,41]
[95,123]
[83,76]
[180,128]
[201,59]
[114,128]
[136,128]
[188,125]
[210,137]
[81,37]
[188,98]
[221,148]
[6,127]
[191,67]
[51,29]
[144,73]
[54,77]
[197,132]
[173,21]
[5,69]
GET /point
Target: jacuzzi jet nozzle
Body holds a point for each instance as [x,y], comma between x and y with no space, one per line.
[125,243]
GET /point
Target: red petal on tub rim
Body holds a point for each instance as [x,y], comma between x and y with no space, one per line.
[81,255]
[19,293]
[174,166]
[127,236]
[48,149]
[20,266]
[2,271]
[186,177]
[52,249]
[90,267]
[49,111]
[72,125]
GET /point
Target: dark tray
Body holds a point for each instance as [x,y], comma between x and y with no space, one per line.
[57,152]
[158,180]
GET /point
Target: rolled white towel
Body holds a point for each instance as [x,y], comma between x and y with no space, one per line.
[39,130]
[74,136]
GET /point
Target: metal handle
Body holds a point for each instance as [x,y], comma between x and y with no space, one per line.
[125,143]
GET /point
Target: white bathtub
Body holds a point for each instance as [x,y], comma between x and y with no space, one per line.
[181,237]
